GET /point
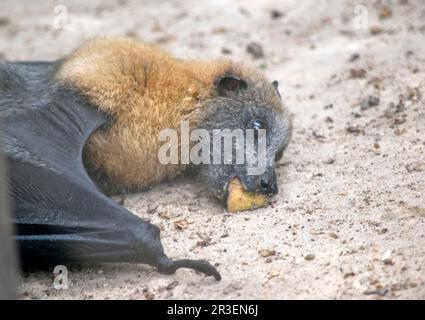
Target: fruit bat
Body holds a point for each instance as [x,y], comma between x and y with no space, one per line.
[87,125]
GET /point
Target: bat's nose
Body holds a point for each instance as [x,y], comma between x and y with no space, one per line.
[268,183]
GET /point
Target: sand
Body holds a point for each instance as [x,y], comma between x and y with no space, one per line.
[349,221]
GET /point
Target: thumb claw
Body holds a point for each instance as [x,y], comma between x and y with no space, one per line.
[199,265]
[168,266]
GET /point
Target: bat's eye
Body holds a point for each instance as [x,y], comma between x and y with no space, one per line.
[257,125]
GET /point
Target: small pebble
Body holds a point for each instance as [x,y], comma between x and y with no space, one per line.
[255,49]
[172,285]
[226,51]
[276,14]
[329,161]
[375,30]
[309,257]
[358,73]
[369,102]
[354,57]
[353,129]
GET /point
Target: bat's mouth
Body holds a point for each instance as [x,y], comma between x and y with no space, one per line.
[225,193]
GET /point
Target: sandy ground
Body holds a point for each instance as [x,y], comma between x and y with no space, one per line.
[350,219]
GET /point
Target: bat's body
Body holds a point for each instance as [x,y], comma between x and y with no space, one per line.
[106,103]
[59,213]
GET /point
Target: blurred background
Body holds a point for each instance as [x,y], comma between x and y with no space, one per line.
[350,219]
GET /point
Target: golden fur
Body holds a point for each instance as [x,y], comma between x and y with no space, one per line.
[145,90]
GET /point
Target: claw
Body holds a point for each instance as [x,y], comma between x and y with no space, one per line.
[199,265]
[168,266]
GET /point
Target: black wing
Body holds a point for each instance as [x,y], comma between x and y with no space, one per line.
[59,213]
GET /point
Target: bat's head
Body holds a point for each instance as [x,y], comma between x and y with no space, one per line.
[249,129]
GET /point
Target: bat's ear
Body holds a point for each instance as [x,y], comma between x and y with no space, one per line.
[230,84]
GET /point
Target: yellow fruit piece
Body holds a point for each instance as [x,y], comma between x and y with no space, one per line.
[240,200]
